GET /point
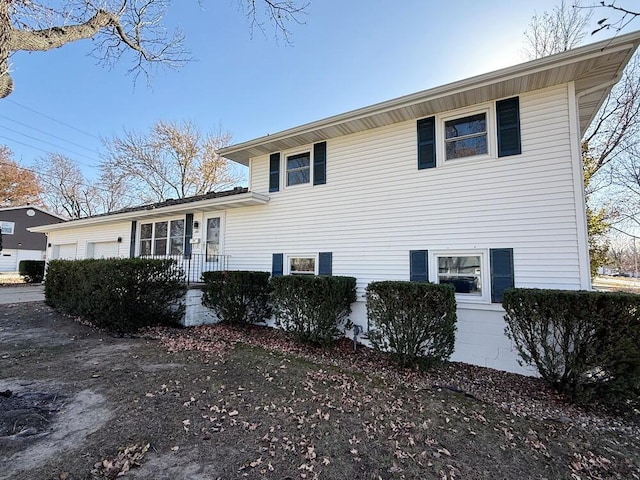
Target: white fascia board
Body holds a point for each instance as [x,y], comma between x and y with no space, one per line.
[625,42]
[254,198]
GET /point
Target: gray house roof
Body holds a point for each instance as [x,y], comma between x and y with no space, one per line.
[594,69]
[238,197]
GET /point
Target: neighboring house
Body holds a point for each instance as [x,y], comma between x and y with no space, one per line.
[477,183]
[17,242]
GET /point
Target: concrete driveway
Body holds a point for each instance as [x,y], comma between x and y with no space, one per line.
[21,294]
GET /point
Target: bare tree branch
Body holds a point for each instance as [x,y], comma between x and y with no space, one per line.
[118,27]
[627,16]
[173,160]
[556,31]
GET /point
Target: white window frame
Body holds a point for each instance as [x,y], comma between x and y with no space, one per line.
[153,223]
[492,142]
[4,223]
[283,166]
[203,229]
[485,279]
[289,257]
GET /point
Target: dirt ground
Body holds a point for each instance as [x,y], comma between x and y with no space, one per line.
[76,403]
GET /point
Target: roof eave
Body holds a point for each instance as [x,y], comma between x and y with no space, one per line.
[241,200]
[242,152]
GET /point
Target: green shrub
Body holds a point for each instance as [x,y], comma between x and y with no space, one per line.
[415,321]
[314,308]
[31,270]
[238,297]
[585,344]
[120,295]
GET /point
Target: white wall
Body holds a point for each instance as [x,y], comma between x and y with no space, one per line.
[85,237]
[377,206]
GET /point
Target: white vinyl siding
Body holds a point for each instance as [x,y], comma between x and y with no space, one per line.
[376,205]
[83,237]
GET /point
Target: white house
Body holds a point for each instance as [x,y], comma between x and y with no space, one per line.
[476,183]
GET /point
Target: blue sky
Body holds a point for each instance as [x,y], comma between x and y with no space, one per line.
[348,54]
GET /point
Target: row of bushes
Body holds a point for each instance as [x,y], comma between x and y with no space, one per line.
[315,308]
[585,344]
[411,320]
[120,295]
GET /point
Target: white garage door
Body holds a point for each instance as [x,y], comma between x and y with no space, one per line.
[65,252]
[105,249]
[8,260]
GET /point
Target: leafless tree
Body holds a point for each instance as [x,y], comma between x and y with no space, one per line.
[113,191]
[66,191]
[556,31]
[615,128]
[117,27]
[172,160]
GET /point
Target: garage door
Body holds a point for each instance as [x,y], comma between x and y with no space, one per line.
[105,249]
[8,261]
[65,252]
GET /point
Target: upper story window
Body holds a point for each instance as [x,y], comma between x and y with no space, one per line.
[489,130]
[466,136]
[162,238]
[298,169]
[7,228]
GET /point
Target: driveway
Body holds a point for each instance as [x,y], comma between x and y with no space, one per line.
[21,294]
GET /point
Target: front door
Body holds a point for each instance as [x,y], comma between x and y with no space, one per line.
[213,244]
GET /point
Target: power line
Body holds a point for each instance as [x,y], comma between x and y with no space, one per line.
[51,118]
[49,143]
[47,133]
[84,184]
[42,150]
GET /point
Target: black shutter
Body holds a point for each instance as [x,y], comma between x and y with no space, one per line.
[427,143]
[320,163]
[508,114]
[276,265]
[188,233]
[419,266]
[132,244]
[325,260]
[274,172]
[501,272]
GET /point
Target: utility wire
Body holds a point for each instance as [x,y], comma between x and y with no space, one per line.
[49,143]
[42,150]
[47,133]
[84,184]
[51,118]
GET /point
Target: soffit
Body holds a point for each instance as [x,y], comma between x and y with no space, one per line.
[593,68]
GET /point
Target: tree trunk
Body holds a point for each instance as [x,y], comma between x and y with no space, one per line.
[6,84]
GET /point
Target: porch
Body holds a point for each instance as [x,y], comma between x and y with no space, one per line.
[189,267]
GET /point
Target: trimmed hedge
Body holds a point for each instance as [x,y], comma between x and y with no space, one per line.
[120,295]
[585,344]
[31,270]
[413,320]
[314,308]
[238,297]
